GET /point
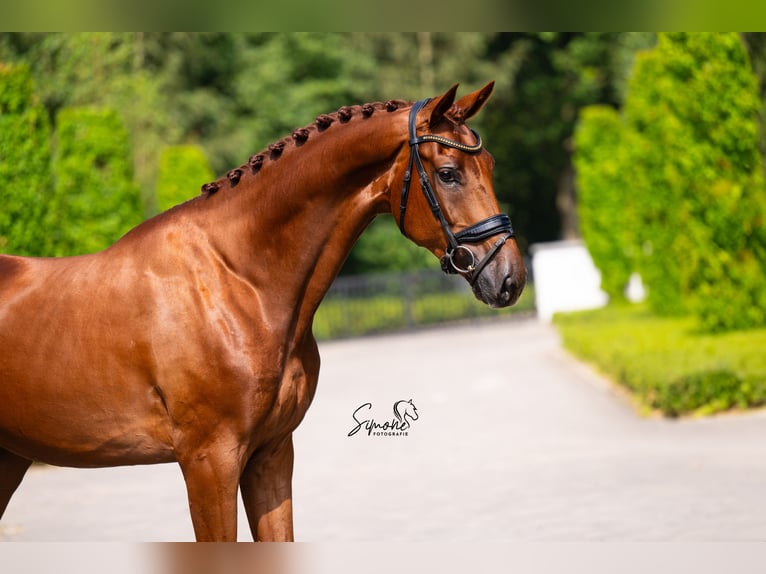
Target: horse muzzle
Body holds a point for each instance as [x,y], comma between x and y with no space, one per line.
[502,280]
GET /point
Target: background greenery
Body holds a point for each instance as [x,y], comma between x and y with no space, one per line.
[673,187]
[383,302]
[25,156]
[231,94]
[93,184]
[668,364]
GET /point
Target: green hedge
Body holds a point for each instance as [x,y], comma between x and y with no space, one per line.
[667,362]
[606,210]
[695,102]
[25,179]
[96,200]
[183,170]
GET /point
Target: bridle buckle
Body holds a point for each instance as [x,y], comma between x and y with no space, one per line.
[451,263]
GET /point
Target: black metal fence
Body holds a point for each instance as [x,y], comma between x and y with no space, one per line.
[364,304]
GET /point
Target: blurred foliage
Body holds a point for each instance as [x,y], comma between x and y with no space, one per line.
[94,185]
[686,175]
[606,210]
[127,72]
[231,94]
[416,301]
[16,90]
[382,248]
[183,170]
[530,121]
[667,362]
[24,164]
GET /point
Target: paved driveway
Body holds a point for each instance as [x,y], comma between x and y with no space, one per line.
[514,440]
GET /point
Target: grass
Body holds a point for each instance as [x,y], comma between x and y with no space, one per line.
[666,362]
[355,316]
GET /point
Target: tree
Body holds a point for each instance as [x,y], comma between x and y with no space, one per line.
[24,164]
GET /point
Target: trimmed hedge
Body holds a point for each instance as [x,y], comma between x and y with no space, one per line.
[96,200]
[666,362]
[607,216]
[25,156]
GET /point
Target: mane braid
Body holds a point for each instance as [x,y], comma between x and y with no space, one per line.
[299,137]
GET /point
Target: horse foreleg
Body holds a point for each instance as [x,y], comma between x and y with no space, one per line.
[266,486]
[12,471]
[211,483]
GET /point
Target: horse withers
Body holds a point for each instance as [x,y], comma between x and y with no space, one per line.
[190,340]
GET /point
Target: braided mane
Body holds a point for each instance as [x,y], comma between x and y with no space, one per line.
[299,137]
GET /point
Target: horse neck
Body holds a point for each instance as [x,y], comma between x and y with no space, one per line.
[288,228]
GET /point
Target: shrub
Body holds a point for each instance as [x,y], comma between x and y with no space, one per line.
[382,248]
[25,179]
[16,89]
[667,362]
[96,200]
[694,102]
[676,187]
[605,205]
[713,391]
[183,170]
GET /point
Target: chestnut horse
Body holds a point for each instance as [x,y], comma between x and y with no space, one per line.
[190,339]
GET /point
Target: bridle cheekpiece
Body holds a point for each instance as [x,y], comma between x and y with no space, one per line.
[457,258]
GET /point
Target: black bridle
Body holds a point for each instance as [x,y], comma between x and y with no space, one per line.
[458,258]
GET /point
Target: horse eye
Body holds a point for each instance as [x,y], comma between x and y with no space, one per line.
[447,175]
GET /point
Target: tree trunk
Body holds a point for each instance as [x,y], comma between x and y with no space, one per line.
[566,203]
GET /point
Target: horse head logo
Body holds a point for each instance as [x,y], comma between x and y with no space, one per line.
[403,409]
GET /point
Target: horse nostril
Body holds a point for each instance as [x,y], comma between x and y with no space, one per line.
[510,291]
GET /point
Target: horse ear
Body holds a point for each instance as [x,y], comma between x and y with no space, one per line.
[440,105]
[473,102]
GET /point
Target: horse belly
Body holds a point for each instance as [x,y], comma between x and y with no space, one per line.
[61,444]
[73,392]
[84,422]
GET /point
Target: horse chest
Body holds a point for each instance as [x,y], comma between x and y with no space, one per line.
[295,393]
[267,404]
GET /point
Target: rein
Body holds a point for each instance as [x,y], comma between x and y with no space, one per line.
[458,258]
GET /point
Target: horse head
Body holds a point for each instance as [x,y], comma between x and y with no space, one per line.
[403,409]
[451,208]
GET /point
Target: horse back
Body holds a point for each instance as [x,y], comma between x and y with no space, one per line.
[10,267]
[15,279]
